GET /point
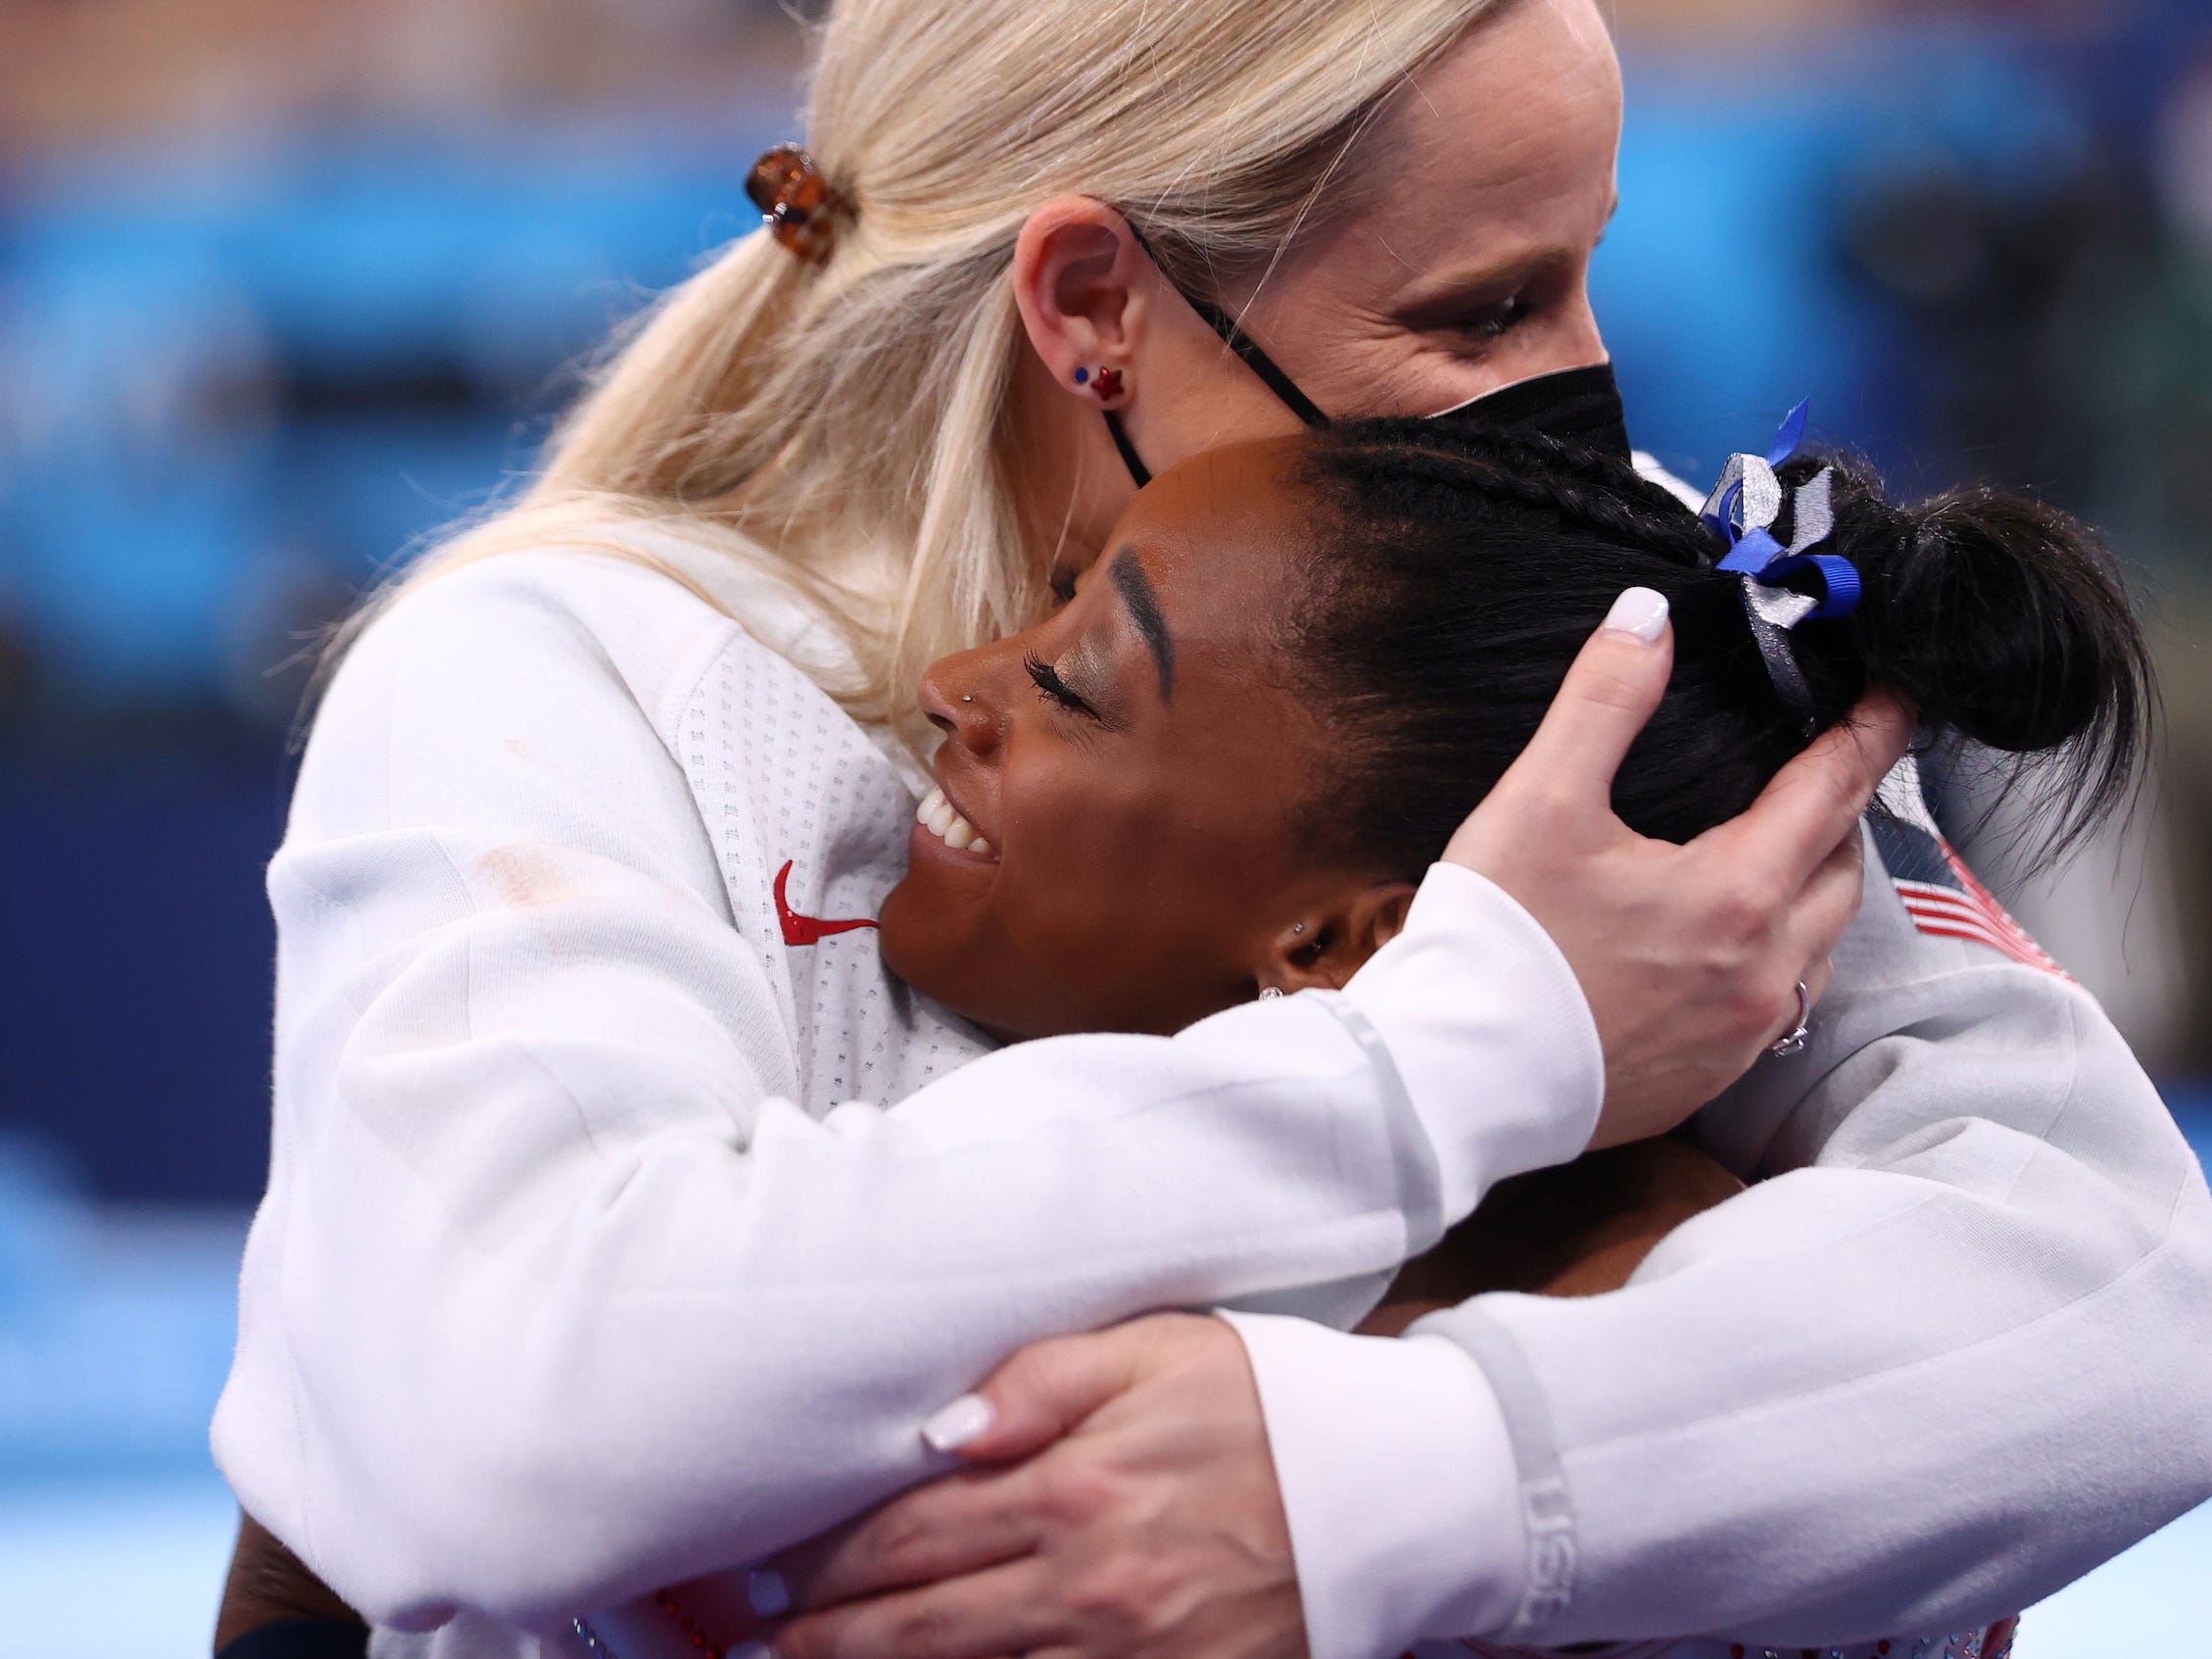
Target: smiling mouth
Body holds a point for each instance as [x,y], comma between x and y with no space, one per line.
[937,816]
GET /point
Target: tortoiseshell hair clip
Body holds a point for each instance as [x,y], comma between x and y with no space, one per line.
[795,201]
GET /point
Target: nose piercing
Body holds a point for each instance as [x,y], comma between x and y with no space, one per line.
[966,700]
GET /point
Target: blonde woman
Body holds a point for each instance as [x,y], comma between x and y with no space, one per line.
[627,1222]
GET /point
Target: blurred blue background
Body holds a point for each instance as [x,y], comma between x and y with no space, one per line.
[284,286]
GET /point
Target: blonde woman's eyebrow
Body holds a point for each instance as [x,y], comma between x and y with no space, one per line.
[1438,291]
[1143,602]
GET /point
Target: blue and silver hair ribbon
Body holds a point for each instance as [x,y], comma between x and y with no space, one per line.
[1742,510]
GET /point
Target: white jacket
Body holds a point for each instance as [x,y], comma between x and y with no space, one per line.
[594,1258]
[591,1258]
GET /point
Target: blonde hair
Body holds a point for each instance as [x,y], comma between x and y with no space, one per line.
[847,423]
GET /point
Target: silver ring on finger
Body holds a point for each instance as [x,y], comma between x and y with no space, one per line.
[1795,1043]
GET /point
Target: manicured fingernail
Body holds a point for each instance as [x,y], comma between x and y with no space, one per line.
[770,1596]
[1640,614]
[957,1424]
[750,1650]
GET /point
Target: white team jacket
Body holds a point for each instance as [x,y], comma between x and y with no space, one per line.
[612,1236]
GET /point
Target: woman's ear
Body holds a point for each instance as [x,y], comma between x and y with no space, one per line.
[1328,944]
[1080,280]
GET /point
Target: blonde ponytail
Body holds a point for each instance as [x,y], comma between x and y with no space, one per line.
[846,422]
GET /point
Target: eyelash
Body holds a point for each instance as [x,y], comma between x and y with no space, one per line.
[1054,690]
[1501,320]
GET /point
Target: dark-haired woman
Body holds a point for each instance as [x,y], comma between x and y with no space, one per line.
[1231,760]
[574,976]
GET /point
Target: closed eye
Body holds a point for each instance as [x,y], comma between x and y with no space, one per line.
[1057,691]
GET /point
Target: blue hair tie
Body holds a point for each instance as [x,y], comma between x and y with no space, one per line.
[1742,512]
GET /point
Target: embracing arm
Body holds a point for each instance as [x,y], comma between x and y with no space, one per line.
[1956,1350]
[555,1295]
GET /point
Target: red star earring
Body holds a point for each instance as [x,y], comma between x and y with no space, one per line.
[1107,383]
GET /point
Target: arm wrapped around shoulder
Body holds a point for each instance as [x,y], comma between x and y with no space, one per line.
[559,1295]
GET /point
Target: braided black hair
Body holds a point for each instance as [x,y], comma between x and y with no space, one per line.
[1457,572]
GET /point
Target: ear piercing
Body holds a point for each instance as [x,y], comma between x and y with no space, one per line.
[1106,382]
[1299,928]
[1271,994]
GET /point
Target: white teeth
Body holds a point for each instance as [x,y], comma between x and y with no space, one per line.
[947,825]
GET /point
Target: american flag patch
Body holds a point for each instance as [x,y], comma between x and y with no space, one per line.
[1938,892]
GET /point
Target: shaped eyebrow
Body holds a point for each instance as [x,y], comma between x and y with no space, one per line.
[1137,590]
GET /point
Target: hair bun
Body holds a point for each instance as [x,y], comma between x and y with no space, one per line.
[2003,621]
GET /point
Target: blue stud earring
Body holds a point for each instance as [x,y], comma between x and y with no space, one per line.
[1082,376]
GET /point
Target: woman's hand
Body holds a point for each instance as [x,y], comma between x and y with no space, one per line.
[1690,956]
[1145,1520]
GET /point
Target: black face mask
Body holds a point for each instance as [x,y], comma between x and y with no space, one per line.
[1580,406]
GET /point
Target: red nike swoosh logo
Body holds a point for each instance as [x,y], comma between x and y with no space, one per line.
[806,930]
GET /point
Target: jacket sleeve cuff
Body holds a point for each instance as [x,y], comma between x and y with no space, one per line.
[1398,1481]
[1490,1034]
